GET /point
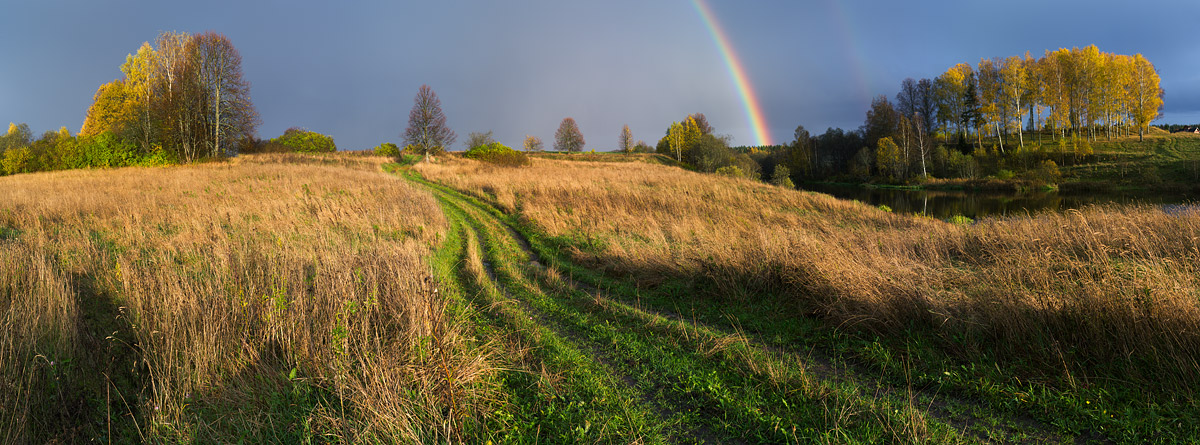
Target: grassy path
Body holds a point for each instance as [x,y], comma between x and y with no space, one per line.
[597,365]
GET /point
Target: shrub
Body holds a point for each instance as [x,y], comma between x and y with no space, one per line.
[104,150]
[731,171]
[747,165]
[708,154]
[304,141]
[963,166]
[156,158]
[388,149]
[1004,175]
[1082,146]
[497,153]
[961,220]
[1047,172]
[782,177]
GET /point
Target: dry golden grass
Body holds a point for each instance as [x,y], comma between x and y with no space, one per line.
[221,279]
[1115,288]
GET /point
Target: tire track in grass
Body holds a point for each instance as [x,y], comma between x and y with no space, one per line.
[574,401]
[701,369]
[971,417]
[926,415]
[692,369]
[503,297]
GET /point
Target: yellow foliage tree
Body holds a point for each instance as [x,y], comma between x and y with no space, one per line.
[110,110]
[1145,94]
[990,95]
[140,70]
[1015,89]
[676,139]
[888,158]
[951,86]
[691,132]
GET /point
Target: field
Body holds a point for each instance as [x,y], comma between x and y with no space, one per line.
[269,299]
[1085,321]
[1162,161]
[287,298]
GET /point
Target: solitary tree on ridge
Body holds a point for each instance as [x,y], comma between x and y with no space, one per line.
[427,133]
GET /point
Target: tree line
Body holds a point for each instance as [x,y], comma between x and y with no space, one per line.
[184,94]
[973,120]
[1084,91]
[178,100]
[428,134]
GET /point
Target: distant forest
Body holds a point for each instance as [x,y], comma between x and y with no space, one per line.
[973,120]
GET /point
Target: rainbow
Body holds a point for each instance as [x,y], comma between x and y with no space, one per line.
[754,112]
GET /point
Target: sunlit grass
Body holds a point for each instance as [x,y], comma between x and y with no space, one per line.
[270,298]
[1094,294]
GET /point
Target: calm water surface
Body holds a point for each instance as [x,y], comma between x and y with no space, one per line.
[947,203]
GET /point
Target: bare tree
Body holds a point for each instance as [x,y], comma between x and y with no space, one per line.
[170,91]
[427,133]
[475,139]
[230,113]
[533,143]
[625,142]
[568,138]
[907,100]
[701,123]
[927,105]
[185,105]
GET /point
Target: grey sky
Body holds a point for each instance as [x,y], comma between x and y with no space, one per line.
[351,69]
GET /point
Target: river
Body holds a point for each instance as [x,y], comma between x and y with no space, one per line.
[944,204]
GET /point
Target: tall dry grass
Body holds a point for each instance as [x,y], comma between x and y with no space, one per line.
[37,317]
[263,298]
[1101,292]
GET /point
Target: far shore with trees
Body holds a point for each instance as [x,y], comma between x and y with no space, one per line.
[1015,120]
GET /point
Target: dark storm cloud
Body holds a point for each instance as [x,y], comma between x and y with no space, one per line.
[517,68]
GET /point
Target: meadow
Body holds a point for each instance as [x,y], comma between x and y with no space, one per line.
[1164,161]
[271,298]
[335,297]
[1048,314]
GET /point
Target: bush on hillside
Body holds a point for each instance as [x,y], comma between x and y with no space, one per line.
[497,153]
[782,177]
[303,141]
[388,149]
[731,171]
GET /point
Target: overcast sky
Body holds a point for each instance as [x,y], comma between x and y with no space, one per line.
[350,69]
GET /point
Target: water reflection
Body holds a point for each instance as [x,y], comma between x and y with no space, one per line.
[947,203]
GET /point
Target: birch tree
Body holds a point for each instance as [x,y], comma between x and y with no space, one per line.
[1146,95]
[625,141]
